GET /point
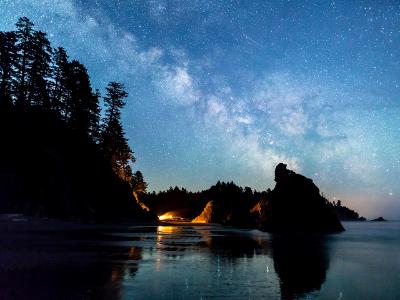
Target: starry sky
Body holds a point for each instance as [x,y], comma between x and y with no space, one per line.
[224,90]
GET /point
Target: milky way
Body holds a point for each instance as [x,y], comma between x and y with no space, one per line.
[224,90]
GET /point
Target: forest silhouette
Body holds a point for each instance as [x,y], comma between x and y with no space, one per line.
[61,155]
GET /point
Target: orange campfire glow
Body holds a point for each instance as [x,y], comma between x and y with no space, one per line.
[166,216]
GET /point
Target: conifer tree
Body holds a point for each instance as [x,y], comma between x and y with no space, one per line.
[113,142]
[59,89]
[40,71]
[25,55]
[82,104]
[8,54]
[95,117]
[138,184]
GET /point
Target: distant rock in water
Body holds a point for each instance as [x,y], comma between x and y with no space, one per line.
[295,205]
[380,219]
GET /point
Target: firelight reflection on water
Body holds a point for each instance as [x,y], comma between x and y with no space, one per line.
[199,262]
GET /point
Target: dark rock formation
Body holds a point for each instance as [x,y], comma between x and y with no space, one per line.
[207,215]
[48,170]
[380,219]
[228,206]
[218,212]
[295,205]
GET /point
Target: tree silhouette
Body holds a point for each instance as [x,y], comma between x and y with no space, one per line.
[40,71]
[113,142]
[8,55]
[94,129]
[138,184]
[25,57]
[82,104]
[59,90]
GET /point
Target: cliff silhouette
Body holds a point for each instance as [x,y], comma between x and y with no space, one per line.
[296,205]
[48,170]
[207,215]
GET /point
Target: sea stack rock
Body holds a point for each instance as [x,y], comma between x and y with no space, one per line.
[295,205]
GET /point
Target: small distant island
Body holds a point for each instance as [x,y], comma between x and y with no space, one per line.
[63,156]
[380,219]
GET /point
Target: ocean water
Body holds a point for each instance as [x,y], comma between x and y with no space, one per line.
[43,260]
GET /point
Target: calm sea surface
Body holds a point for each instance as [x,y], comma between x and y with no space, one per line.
[43,260]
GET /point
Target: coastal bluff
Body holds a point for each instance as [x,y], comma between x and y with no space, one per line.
[296,205]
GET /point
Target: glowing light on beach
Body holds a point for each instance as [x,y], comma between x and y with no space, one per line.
[166,216]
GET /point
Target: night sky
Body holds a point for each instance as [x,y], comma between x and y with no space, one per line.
[224,90]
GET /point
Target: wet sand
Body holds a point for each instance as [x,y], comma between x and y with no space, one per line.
[48,259]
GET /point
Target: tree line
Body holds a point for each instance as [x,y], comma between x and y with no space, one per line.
[36,76]
[230,197]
